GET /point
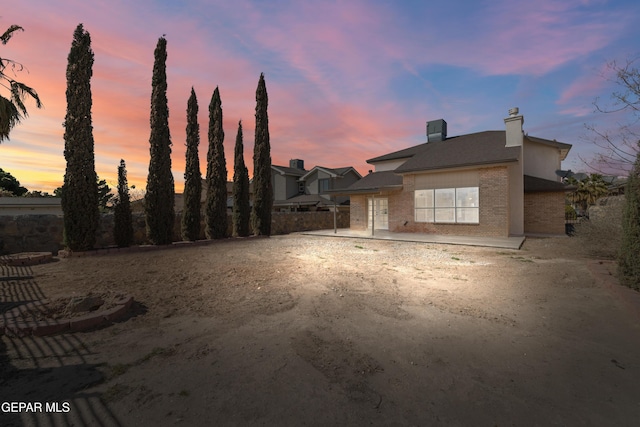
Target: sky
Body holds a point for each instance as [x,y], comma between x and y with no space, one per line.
[347,80]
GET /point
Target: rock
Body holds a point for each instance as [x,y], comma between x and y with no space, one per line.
[88,303]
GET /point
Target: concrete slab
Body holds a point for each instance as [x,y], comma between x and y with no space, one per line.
[492,242]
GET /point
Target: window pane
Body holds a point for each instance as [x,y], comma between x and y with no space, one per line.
[468,215]
[424,199]
[445,198]
[424,215]
[467,197]
[445,214]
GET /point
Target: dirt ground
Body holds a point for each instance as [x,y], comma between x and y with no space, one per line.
[305,330]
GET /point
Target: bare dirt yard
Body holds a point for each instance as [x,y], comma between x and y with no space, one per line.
[309,330]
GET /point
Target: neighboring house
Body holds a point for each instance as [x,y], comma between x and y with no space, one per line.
[492,183]
[295,188]
[13,206]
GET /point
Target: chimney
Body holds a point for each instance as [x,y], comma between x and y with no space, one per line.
[436,130]
[513,125]
[296,164]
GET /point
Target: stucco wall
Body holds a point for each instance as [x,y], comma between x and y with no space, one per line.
[30,233]
[544,213]
[541,160]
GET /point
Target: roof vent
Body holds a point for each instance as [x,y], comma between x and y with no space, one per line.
[436,130]
[514,111]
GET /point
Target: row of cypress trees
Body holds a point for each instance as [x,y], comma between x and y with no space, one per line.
[159,207]
[80,193]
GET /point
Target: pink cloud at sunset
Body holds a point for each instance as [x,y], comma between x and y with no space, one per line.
[346,81]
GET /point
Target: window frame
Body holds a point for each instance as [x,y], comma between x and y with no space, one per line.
[321,181]
[445,206]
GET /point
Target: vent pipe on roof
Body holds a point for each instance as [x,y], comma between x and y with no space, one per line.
[436,130]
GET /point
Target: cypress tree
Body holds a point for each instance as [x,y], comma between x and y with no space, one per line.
[159,199]
[80,189]
[241,210]
[216,204]
[629,259]
[123,222]
[192,176]
[262,187]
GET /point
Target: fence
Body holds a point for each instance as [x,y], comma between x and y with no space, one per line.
[43,233]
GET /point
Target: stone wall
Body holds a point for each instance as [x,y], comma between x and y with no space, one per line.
[43,233]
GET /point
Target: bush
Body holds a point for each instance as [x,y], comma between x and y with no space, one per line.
[601,235]
[629,256]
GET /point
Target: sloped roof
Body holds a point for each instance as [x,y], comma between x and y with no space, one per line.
[401,154]
[480,148]
[372,183]
[304,200]
[331,171]
[564,148]
[465,150]
[534,184]
[284,170]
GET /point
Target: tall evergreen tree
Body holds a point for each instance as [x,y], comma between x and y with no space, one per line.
[80,188]
[241,209]
[262,187]
[192,176]
[629,260]
[216,205]
[159,199]
[123,221]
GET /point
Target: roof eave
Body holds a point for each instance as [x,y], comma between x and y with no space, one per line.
[370,190]
[400,170]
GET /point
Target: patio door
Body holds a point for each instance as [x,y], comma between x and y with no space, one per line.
[378,213]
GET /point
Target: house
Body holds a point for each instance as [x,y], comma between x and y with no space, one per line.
[491,183]
[295,188]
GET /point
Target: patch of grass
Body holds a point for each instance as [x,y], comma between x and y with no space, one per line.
[184,393]
[359,247]
[522,259]
[455,258]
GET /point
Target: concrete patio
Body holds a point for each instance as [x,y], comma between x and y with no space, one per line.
[492,242]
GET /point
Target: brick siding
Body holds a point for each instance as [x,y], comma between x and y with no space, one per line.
[494,208]
[358,215]
[544,213]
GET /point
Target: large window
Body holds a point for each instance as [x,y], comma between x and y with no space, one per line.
[448,205]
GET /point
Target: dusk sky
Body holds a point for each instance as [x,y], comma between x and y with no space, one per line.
[347,80]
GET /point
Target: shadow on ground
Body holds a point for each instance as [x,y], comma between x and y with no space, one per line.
[51,370]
